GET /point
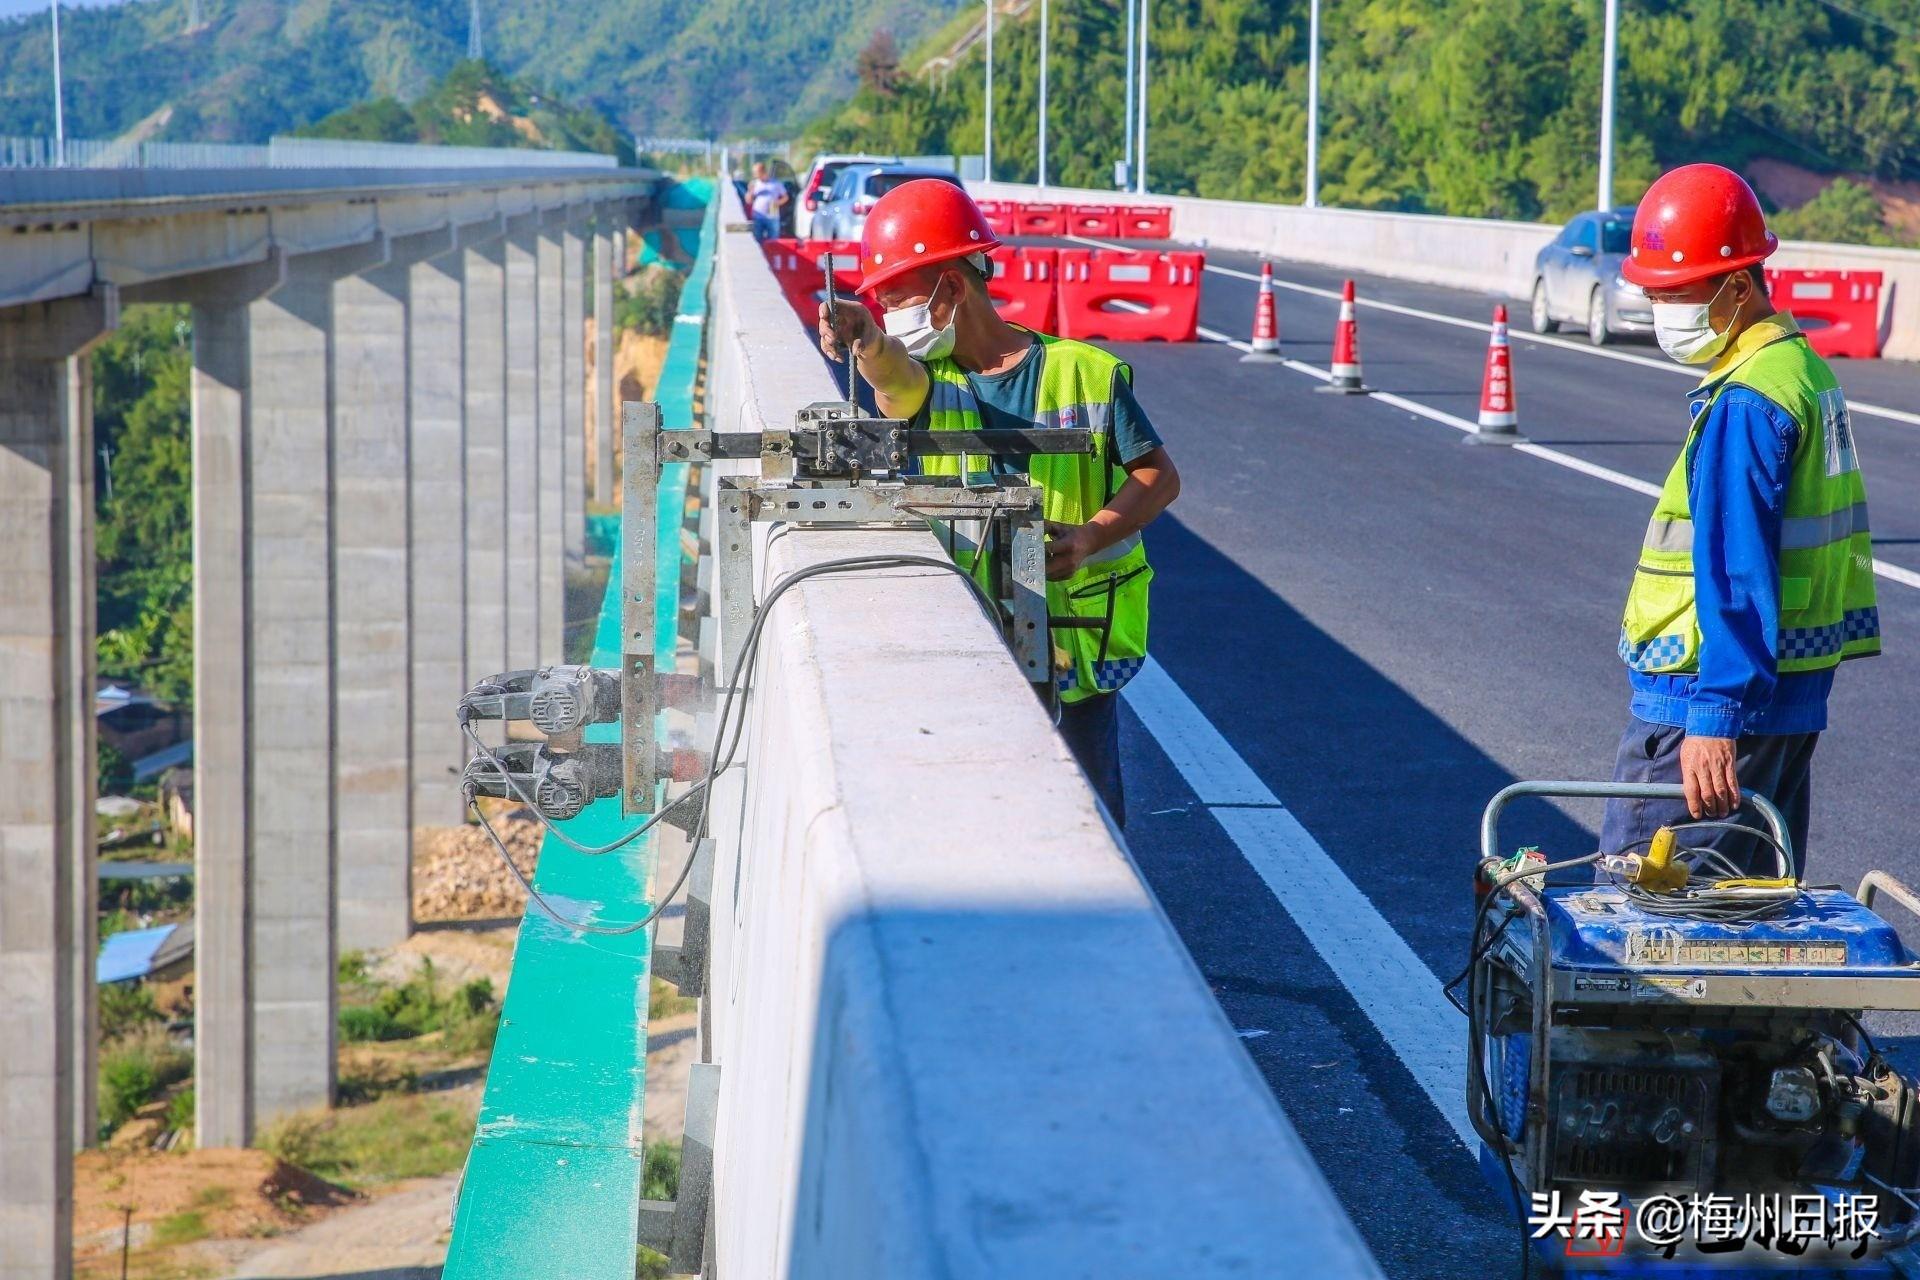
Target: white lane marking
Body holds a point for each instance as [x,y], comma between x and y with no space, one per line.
[1891,572]
[1392,986]
[1518,335]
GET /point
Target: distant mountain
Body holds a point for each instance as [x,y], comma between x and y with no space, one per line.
[259,67]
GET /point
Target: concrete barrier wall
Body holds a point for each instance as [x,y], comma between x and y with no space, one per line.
[1466,253]
[955,1034]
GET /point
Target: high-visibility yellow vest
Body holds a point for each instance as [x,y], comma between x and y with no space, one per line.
[1110,590]
[1828,610]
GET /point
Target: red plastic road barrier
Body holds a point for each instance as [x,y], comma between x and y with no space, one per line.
[1093,220]
[797,265]
[1497,411]
[1039,220]
[1024,285]
[999,215]
[1844,304]
[1166,285]
[1145,222]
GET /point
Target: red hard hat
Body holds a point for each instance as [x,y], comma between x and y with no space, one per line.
[1696,222]
[917,224]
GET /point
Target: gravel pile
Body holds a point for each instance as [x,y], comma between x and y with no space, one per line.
[457,874]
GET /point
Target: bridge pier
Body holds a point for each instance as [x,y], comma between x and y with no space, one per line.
[46,806]
[573,373]
[436,534]
[603,380]
[372,677]
[551,449]
[484,397]
[522,359]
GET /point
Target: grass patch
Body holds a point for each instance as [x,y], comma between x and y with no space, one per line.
[660,1175]
[649,1265]
[180,1228]
[665,1001]
[467,1016]
[133,1071]
[397,1136]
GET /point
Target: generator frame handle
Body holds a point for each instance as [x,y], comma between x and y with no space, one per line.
[1490,819]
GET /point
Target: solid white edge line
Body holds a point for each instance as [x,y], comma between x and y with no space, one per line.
[1390,983]
[1518,335]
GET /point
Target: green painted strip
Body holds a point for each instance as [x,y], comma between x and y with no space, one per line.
[552,1183]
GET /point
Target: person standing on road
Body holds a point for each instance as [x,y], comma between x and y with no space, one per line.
[947,362]
[765,197]
[1755,578]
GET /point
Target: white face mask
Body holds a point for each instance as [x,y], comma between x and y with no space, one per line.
[1684,331]
[914,327]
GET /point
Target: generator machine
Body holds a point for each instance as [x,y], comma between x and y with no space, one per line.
[1668,1066]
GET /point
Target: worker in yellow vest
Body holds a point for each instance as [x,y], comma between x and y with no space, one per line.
[947,361]
[1755,578]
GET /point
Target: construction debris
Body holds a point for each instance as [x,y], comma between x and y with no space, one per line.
[457,873]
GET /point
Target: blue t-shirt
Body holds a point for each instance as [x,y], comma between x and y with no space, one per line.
[1007,400]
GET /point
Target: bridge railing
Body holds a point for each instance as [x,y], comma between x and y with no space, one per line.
[280,153]
[955,1034]
[1483,254]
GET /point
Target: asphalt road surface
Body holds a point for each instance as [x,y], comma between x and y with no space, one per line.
[1363,628]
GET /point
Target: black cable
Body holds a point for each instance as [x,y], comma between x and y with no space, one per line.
[715,763]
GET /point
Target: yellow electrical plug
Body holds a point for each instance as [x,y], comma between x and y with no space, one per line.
[1656,869]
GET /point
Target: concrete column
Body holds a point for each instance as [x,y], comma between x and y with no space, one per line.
[573,365]
[371,660]
[437,533]
[483,302]
[222,1032]
[83,760]
[522,360]
[291,599]
[550,633]
[45,711]
[604,409]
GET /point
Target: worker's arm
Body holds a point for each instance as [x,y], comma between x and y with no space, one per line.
[1737,489]
[899,381]
[1152,484]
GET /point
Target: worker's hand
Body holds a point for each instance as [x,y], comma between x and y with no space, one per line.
[849,325]
[1707,773]
[1068,546]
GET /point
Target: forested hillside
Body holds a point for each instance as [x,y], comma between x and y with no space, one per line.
[1478,107]
[476,106]
[259,67]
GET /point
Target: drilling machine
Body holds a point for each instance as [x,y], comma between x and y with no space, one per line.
[1679,1033]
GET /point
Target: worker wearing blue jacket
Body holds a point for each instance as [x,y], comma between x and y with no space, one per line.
[1755,578]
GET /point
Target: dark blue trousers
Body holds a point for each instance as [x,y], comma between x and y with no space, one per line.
[1092,730]
[1778,766]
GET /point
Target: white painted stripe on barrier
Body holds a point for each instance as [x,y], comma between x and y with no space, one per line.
[1545,340]
[1392,985]
[1891,572]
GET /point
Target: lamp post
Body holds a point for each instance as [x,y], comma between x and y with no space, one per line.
[989,139]
[1043,95]
[1140,147]
[1606,105]
[59,107]
[1313,105]
[1126,111]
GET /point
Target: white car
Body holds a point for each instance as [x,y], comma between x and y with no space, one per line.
[819,181]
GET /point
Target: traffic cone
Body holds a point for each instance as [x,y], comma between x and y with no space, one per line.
[1346,351]
[1265,347]
[1499,419]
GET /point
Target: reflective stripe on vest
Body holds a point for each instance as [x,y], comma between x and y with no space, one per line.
[1797,533]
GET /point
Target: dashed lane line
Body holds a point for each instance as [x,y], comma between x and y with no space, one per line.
[1390,984]
[1891,572]
[1517,335]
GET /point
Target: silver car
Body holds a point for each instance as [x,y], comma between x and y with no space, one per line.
[843,214]
[1577,281]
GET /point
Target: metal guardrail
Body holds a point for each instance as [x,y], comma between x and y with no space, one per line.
[281,153]
[707,146]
